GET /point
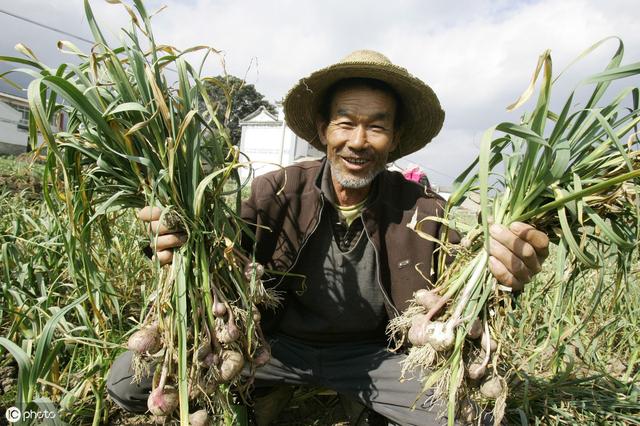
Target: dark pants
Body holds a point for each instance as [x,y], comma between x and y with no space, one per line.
[367,372]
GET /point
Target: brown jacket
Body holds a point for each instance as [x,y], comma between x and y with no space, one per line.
[285,207]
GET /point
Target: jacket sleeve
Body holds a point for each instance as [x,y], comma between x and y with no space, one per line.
[258,238]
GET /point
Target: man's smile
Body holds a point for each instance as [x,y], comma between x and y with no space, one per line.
[354,164]
[356,160]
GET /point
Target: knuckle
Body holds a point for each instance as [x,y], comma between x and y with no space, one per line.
[528,252]
[538,239]
[160,228]
[497,231]
[518,268]
[148,213]
[506,279]
[178,239]
[541,238]
[521,227]
[165,256]
[500,272]
[161,244]
[537,268]
[494,271]
[495,248]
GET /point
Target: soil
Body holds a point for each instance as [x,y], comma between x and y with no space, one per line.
[317,410]
[8,374]
[17,184]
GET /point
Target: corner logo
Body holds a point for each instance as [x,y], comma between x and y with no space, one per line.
[13,414]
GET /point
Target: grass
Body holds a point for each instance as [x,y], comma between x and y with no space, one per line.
[575,378]
[36,284]
[17,174]
[572,359]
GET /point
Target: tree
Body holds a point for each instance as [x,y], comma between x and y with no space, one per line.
[245,99]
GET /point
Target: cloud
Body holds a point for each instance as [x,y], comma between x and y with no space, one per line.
[480,66]
[477,55]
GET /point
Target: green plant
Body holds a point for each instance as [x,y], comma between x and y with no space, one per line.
[30,370]
[133,139]
[577,181]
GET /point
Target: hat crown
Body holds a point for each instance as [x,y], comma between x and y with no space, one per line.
[368,56]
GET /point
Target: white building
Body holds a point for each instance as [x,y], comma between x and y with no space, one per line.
[270,143]
[14,124]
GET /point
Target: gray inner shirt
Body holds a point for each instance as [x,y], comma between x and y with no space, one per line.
[340,300]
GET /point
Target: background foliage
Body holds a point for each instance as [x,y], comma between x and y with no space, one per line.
[244,99]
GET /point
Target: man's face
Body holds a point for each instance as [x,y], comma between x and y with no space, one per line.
[360,135]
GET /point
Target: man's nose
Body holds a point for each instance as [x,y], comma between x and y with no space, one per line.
[358,138]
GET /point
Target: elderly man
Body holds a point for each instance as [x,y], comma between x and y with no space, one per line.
[339,227]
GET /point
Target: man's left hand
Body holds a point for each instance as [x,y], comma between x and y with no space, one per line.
[516,253]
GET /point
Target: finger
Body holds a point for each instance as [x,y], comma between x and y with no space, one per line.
[538,239]
[164,256]
[503,276]
[517,246]
[157,228]
[149,213]
[168,241]
[512,263]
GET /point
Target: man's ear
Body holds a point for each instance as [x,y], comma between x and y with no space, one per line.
[321,128]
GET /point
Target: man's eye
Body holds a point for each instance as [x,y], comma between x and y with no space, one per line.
[345,124]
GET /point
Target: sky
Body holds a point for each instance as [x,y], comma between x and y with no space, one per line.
[477,55]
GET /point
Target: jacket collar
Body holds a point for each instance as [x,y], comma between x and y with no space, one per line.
[326,184]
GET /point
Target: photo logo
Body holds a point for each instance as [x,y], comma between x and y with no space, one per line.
[40,414]
[13,414]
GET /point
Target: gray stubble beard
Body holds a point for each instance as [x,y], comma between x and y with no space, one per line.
[352,182]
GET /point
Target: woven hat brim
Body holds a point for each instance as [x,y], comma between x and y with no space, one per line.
[423,115]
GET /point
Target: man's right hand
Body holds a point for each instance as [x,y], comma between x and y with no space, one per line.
[164,239]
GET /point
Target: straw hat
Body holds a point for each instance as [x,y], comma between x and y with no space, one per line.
[422,119]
